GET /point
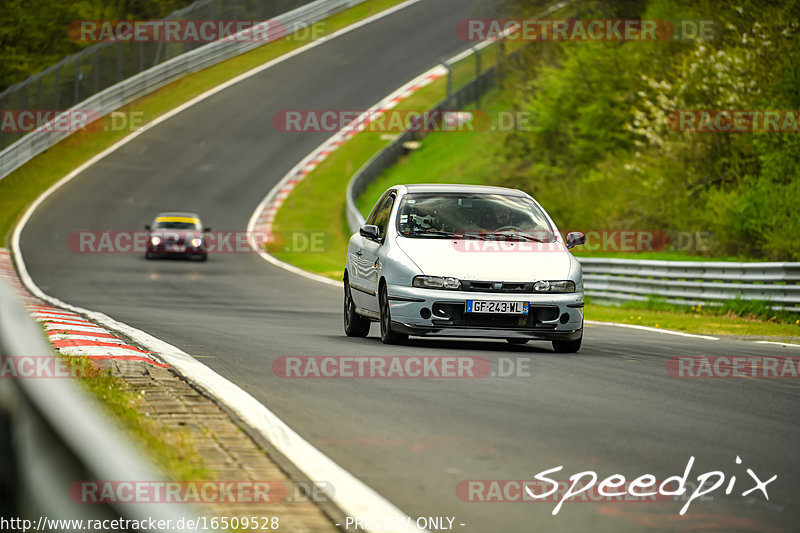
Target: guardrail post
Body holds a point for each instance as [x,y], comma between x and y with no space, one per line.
[58,84]
[3,107]
[478,69]
[118,45]
[39,93]
[501,61]
[95,71]
[446,65]
[77,82]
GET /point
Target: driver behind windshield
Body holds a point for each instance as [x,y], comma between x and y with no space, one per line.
[500,217]
[454,215]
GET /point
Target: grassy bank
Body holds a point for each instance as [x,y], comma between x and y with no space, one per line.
[172,450]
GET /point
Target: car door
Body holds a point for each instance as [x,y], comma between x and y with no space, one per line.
[367,264]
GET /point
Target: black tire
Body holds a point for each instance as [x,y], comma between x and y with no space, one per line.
[567,346]
[388,336]
[355,325]
[517,341]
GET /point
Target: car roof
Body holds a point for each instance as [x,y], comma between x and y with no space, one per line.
[177,214]
[475,189]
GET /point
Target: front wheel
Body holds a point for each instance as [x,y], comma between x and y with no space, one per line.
[355,325]
[567,346]
[388,336]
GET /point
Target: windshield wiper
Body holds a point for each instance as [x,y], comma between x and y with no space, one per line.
[431,233]
[518,236]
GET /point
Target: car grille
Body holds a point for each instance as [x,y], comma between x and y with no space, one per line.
[497,286]
[452,314]
[174,239]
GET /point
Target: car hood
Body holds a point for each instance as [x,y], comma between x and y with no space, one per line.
[488,260]
[180,233]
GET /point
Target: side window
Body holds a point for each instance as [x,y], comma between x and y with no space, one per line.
[377,209]
[382,215]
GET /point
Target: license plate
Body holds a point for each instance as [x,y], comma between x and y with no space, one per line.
[176,248]
[500,308]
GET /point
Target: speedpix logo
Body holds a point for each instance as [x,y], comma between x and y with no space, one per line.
[587,486]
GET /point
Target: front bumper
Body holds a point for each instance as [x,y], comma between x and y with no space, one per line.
[429,312]
[188,252]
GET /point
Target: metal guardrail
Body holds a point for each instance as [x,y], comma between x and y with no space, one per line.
[155,77]
[693,283]
[53,435]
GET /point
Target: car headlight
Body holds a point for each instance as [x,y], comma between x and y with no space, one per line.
[436,282]
[196,242]
[554,286]
[155,241]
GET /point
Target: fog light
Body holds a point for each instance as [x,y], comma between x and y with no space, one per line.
[425,313]
[564,318]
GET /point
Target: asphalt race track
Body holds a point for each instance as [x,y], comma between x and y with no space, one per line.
[611,408]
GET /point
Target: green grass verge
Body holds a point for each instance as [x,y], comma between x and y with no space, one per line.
[20,188]
[697,320]
[172,450]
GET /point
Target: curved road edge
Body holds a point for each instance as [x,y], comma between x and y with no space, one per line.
[352,497]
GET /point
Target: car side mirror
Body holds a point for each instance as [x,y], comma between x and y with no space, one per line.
[370,232]
[207,230]
[576,238]
[147,227]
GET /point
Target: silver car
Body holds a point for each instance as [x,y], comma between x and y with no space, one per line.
[463,261]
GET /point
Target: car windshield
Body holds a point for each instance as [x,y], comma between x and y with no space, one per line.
[177,223]
[486,216]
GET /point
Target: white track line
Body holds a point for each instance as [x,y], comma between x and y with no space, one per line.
[784,344]
[653,330]
[352,496]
